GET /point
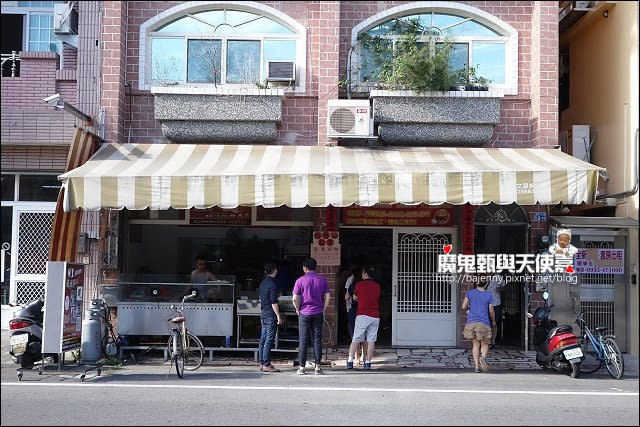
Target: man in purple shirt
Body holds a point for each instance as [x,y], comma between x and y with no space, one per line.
[311,299]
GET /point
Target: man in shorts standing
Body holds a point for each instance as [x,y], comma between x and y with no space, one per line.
[367,294]
[480,317]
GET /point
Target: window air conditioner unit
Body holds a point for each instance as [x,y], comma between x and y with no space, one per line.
[575,142]
[281,71]
[349,118]
[65,19]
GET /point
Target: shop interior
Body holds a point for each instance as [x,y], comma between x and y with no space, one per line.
[506,239]
[371,246]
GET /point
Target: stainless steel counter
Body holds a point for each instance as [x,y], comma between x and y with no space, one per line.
[150,318]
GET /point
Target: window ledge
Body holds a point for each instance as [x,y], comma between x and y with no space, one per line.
[495,93]
[216,90]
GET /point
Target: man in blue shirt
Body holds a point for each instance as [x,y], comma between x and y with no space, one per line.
[270,316]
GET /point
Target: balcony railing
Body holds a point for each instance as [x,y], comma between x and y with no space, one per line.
[11,58]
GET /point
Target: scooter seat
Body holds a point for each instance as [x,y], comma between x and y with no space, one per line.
[560,330]
[178,319]
[601,328]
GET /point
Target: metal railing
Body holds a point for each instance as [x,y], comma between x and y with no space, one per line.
[14,57]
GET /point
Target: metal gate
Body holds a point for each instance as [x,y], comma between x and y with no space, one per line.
[31,233]
[424,300]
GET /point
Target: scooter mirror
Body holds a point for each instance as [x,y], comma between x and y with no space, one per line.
[545,296]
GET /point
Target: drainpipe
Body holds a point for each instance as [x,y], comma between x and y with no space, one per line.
[631,192]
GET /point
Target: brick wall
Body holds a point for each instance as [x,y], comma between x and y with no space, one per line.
[527,119]
[544,74]
[114,41]
[41,159]
[69,57]
[37,80]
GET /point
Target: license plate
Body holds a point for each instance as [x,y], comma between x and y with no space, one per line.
[19,339]
[572,353]
[19,349]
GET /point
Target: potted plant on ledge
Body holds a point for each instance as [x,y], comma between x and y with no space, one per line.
[413,100]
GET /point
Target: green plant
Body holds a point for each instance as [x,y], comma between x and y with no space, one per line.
[76,355]
[113,361]
[469,78]
[419,61]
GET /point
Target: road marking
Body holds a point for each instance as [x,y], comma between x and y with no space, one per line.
[346,389]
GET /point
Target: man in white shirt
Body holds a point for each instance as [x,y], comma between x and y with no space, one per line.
[496,283]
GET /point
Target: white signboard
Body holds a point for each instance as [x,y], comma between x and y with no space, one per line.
[599,261]
[62,325]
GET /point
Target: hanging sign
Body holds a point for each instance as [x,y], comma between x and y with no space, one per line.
[467,229]
[219,216]
[326,247]
[398,216]
[599,261]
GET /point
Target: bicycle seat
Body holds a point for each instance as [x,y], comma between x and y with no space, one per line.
[178,319]
[601,328]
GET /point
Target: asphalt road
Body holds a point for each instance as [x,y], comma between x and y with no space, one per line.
[144,395]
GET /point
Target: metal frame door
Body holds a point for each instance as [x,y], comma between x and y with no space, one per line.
[32,223]
[424,301]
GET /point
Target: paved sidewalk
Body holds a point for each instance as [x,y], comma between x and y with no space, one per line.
[385,358]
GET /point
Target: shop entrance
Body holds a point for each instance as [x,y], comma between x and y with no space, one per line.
[504,230]
[362,246]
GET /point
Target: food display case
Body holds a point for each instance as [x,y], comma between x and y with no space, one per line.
[145,300]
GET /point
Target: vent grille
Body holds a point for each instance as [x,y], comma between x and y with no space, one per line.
[281,71]
[342,120]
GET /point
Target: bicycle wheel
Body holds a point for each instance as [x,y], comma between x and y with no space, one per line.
[591,362]
[613,358]
[194,353]
[175,351]
[326,333]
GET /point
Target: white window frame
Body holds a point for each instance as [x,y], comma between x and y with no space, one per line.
[509,37]
[148,27]
[12,8]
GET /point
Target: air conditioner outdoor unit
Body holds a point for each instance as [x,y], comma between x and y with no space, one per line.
[575,142]
[65,19]
[349,118]
[281,71]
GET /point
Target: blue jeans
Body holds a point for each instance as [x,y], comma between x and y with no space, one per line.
[310,325]
[267,337]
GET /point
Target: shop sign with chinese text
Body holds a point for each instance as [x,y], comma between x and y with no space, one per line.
[326,247]
[219,216]
[398,216]
[599,261]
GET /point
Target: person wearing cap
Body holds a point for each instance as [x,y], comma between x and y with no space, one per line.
[563,244]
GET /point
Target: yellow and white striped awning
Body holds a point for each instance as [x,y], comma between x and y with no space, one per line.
[159,176]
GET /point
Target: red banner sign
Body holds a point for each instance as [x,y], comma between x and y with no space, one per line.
[73,296]
[218,216]
[326,247]
[467,229]
[398,216]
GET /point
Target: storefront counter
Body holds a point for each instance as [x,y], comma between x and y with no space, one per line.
[145,305]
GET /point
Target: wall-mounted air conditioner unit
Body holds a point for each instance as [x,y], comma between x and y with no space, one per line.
[65,19]
[349,118]
[575,142]
[281,71]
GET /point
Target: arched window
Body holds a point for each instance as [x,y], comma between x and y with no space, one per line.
[219,43]
[479,40]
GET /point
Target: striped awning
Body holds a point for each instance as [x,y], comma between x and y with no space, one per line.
[159,176]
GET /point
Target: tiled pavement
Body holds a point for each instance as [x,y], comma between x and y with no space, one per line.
[450,358]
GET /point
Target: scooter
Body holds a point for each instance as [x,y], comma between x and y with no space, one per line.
[25,343]
[557,347]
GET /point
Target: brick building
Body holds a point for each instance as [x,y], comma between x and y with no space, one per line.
[174,74]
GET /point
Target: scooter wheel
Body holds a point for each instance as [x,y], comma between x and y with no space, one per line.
[19,376]
[575,370]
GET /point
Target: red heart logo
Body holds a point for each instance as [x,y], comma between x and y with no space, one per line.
[569,269]
[447,248]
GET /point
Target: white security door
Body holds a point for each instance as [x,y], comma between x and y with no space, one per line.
[424,301]
[32,224]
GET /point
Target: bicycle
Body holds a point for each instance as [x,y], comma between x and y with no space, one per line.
[327,333]
[599,349]
[185,349]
